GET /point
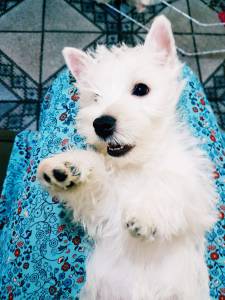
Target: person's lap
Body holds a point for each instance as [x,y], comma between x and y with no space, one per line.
[43,252]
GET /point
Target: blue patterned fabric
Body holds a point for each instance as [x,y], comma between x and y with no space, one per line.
[42,253]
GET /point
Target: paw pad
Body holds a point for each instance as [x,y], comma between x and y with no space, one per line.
[59,175]
[46,178]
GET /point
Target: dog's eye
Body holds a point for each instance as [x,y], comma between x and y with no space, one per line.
[140,89]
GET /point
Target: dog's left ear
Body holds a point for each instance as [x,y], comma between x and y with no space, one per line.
[160,39]
[77,60]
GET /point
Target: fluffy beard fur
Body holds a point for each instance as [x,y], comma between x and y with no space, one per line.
[148,210]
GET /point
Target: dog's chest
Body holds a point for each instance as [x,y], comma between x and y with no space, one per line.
[128,180]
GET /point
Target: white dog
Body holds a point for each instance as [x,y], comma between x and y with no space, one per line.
[144,189]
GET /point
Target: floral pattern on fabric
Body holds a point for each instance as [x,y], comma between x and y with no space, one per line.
[42,252]
[196,111]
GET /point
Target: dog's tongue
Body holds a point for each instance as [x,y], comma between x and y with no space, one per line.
[118,150]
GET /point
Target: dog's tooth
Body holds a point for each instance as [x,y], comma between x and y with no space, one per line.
[116,147]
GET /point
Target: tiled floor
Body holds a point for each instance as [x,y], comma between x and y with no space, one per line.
[33,33]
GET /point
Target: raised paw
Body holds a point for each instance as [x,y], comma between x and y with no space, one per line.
[140,230]
[57,173]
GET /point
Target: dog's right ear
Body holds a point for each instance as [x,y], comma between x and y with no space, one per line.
[160,39]
[76,60]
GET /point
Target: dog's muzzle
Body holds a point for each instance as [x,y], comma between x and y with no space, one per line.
[105,127]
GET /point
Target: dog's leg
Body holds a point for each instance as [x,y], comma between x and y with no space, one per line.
[77,177]
[67,170]
[170,207]
[137,219]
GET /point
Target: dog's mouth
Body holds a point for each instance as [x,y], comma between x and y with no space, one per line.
[117,150]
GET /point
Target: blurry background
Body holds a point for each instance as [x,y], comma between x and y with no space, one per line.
[33,33]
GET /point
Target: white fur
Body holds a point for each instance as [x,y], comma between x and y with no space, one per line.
[163,186]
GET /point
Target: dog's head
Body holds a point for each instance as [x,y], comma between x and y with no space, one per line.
[126,94]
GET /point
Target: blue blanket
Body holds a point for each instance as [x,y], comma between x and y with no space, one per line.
[42,252]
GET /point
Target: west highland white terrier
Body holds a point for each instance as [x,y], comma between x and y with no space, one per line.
[143,189]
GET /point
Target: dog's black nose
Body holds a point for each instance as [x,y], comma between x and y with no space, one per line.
[104,126]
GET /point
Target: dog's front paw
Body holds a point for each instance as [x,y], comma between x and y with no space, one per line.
[58,173]
[139,229]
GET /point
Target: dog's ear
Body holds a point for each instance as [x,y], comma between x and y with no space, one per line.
[76,60]
[160,38]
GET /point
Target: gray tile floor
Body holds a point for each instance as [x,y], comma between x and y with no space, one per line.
[33,33]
